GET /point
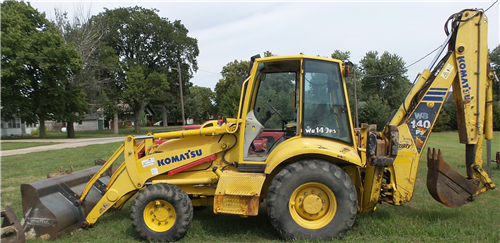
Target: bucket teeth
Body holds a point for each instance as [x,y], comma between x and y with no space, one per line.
[61,172]
[446,185]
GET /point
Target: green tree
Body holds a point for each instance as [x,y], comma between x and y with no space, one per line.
[443,121]
[36,67]
[75,106]
[86,36]
[341,55]
[495,64]
[138,88]
[99,76]
[147,44]
[375,111]
[227,90]
[349,81]
[385,77]
[268,54]
[106,85]
[496,116]
[230,101]
[200,104]
[452,113]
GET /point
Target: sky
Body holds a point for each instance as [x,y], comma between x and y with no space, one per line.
[229,30]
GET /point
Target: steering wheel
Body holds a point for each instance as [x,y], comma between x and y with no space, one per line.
[274,109]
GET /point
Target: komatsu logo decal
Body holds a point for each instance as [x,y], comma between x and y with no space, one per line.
[180,157]
[463,77]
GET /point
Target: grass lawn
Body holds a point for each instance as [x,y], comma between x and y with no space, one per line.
[20,145]
[421,220]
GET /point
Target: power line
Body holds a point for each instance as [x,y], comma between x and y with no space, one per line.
[428,54]
[389,74]
[490,6]
[208,71]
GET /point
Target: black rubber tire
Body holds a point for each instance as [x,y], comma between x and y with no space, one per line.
[292,177]
[173,195]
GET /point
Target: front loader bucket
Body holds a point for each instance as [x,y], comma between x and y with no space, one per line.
[51,207]
[445,184]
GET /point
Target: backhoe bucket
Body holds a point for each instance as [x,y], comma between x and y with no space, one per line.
[51,207]
[445,184]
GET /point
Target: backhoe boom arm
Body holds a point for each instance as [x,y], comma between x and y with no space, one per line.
[464,67]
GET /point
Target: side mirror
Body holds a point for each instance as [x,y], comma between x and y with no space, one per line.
[252,60]
[348,68]
[262,77]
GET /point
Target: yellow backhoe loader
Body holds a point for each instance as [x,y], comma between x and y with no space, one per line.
[314,178]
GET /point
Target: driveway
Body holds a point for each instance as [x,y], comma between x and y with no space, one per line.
[63,143]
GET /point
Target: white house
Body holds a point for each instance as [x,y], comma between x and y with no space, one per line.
[90,122]
[17,127]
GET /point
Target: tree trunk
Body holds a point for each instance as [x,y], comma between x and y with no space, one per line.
[23,128]
[41,129]
[70,129]
[164,116]
[115,123]
[137,117]
[137,121]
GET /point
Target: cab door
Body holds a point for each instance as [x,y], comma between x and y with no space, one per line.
[273,110]
[325,108]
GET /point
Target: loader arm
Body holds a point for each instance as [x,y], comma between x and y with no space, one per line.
[133,174]
[58,205]
[465,67]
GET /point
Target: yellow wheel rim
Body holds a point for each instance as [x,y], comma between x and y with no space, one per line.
[159,215]
[312,205]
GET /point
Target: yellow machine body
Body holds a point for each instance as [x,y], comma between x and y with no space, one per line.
[219,164]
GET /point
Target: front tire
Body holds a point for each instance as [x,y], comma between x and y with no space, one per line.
[313,200]
[162,212]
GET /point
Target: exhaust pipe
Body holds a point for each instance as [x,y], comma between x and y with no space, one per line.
[52,207]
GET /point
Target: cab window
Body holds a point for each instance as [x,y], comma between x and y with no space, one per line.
[325,108]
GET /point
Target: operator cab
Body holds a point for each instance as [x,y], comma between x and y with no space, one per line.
[291,97]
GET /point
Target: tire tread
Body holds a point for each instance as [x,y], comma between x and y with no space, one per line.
[294,171]
[163,191]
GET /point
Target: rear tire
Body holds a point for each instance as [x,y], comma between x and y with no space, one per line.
[162,212]
[313,200]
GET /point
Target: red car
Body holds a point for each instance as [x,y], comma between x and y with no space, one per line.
[265,140]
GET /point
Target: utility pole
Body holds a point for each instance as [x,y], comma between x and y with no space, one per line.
[355,98]
[182,96]
[180,86]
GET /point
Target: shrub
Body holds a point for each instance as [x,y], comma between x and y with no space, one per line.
[496,116]
[36,132]
[447,119]
[375,111]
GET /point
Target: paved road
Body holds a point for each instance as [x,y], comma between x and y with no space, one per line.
[64,143]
